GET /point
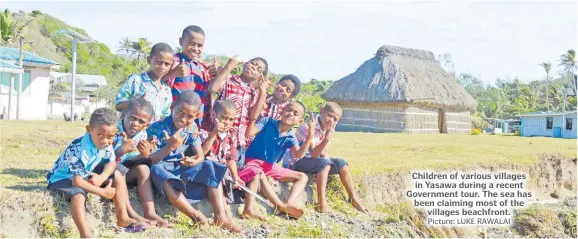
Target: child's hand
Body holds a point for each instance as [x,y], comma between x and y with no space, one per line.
[175,141]
[233,63]
[145,147]
[312,123]
[214,68]
[108,192]
[188,161]
[182,70]
[329,132]
[96,179]
[239,181]
[218,126]
[128,145]
[264,83]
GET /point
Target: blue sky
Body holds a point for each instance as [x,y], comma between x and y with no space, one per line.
[330,39]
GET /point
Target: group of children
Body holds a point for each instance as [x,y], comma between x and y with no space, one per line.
[172,137]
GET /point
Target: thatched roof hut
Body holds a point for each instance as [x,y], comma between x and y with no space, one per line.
[402,89]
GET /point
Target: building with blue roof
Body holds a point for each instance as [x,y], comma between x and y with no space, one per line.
[33,97]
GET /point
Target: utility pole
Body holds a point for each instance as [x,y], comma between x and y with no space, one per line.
[19,93]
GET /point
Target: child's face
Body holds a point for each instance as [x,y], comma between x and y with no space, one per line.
[328,117]
[284,90]
[226,118]
[161,63]
[192,44]
[292,114]
[184,115]
[102,135]
[135,121]
[253,70]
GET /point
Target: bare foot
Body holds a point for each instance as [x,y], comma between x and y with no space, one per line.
[228,225]
[145,220]
[292,211]
[128,221]
[357,204]
[323,208]
[252,215]
[159,220]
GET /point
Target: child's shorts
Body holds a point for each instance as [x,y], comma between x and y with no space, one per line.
[315,165]
[255,166]
[191,181]
[65,186]
[128,165]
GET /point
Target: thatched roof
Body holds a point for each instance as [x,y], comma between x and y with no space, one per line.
[401,75]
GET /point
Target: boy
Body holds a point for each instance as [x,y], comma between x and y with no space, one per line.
[182,177]
[132,150]
[189,72]
[287,88]
[85,167]
[273,138]
[148,85]
[218,143]
[239,90]
[318,161]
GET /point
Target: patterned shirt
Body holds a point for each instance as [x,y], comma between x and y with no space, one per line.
[222,149]
[273,110]
[189,134]
[138,84]
[301,134]
[198,80]
[79,158]
[244,97]
[142,135]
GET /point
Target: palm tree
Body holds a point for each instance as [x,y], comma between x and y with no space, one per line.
[141,48]
[547,66]
[568,64]
[6,27]
[125,45]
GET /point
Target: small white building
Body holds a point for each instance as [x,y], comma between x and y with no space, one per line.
[35,84]
[86,99]
[550,124]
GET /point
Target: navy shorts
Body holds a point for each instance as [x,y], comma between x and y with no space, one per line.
[128,165]
[65,186]
[314,165]
[191,181]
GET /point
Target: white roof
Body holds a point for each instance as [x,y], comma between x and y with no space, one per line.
[86,79]
[543,114]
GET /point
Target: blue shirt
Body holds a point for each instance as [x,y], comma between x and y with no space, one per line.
[79,158]
[189,134]
[268,144]
[142,135]
[138,84]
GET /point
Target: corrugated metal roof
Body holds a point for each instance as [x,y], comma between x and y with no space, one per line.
[4,64]
[86,79]
[13,54]
[538,114]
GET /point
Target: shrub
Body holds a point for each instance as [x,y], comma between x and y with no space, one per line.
[476,131]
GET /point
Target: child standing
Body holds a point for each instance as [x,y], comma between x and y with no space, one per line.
[85,167]
[239,90]
[132,149]
[273,138]
[189,72]
[148,85]
[317,161]
[182,177]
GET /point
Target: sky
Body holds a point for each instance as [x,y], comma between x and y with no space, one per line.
[328,40]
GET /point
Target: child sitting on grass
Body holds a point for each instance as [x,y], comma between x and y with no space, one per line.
[273,138]
[148,85]
[317,161]
[85,167]
[132,149]
[180,176]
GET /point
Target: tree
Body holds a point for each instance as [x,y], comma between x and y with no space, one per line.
[472,84]
[125,46]
[11,27]
[547,66]
[568,64]
[447,63]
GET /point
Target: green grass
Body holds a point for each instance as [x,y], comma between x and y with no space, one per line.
[29,148]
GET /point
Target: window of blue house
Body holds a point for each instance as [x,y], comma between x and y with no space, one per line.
[568,123]
[549,122]
[5,83]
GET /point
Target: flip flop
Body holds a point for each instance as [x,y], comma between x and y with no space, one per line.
[132,228]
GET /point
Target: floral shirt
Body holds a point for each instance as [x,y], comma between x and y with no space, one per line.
[142,135]
[138,85]
[189,134]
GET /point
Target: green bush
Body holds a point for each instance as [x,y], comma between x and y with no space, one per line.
[476,131]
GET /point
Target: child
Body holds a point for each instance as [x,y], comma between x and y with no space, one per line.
[85,167]
[238,89]
[148,85]
[218,144]
[182,177]
[132,150]
[287,88]
[318,161]
[189,72]
[273,138]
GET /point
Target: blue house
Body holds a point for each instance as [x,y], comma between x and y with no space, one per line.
[548,124]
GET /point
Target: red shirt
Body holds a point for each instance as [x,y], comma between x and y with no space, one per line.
[244,97]
[273,110]
[222,149]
